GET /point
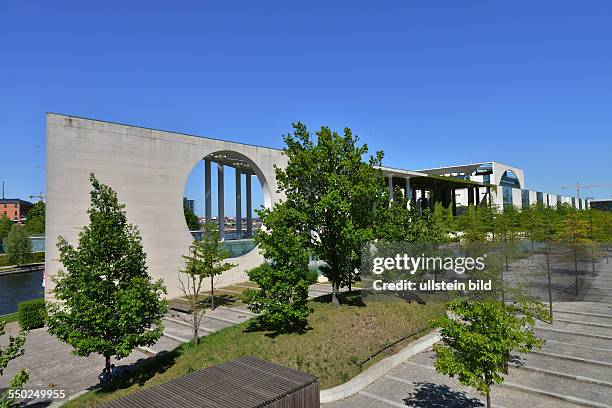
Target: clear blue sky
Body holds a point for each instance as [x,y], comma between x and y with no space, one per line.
[527,83]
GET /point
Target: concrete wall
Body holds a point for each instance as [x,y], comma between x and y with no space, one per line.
[499,169]
[148,169]
[517,199]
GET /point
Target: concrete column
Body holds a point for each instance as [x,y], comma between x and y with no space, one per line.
[221,201]
[249,206]
[207,192]
[390,188]
[238,203]
[408,192]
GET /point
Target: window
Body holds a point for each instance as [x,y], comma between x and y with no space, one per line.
[509,179]
[525,198]
[507,195]
[540,197]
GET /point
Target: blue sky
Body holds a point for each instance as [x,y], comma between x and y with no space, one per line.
[430,83]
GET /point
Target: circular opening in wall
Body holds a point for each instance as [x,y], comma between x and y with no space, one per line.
[226,188]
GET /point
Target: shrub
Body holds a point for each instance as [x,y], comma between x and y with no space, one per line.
[36,257]
[32,314]
[17,245]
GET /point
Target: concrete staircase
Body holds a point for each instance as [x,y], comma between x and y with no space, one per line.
[573,368]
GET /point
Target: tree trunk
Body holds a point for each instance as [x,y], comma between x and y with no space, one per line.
[108,368]
[335,300]
[576,268]
[212,293]
[488,399]
[196,338]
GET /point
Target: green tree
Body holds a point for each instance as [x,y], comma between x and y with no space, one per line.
[442,224]
[13,349]
[5,226]
[470,224]
[336,193]
[574,233]
[106,301]
[17,246]
[193,222]
[35,222]
[477,345]
[205,260]
[283,285]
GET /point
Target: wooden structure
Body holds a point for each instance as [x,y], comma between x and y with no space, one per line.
[246,382]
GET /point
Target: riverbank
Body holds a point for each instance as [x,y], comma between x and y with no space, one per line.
[14,269]
[9,318]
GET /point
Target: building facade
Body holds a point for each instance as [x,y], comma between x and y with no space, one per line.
[149,169]
[14,209]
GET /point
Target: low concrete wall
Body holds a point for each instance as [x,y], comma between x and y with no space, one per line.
[378,370]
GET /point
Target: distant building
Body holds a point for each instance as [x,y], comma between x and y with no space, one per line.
[189,204]
[14,208]
[603,204]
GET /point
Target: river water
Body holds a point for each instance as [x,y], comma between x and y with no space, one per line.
[15,288]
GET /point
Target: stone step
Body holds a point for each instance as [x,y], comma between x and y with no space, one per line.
[164,344]
[577,339]
[570,367]
[207,323]
[552,384]
[577,327]
[604,312]
[587,353]
[177,331]
[501,395]
[584,318]
[238,309]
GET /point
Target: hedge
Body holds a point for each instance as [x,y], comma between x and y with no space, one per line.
[35,257]
[32,314]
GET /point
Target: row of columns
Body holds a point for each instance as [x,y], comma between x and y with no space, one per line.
[221,198]
[473,195]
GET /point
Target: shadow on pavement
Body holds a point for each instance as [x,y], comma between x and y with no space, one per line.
[430,395]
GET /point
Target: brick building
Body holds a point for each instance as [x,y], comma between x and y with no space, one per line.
[14,208]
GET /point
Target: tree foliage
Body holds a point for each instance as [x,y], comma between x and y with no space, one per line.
[5,226]
[205,260]
[192,220]
[35,222]
[477,343]
[335,193]
[106,302]
[283,285]
[17,246]
[11,350]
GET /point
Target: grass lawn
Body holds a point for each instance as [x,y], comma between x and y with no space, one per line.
[339,339]
[12,317]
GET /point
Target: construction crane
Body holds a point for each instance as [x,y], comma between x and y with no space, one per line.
[40,196]
[579,187]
